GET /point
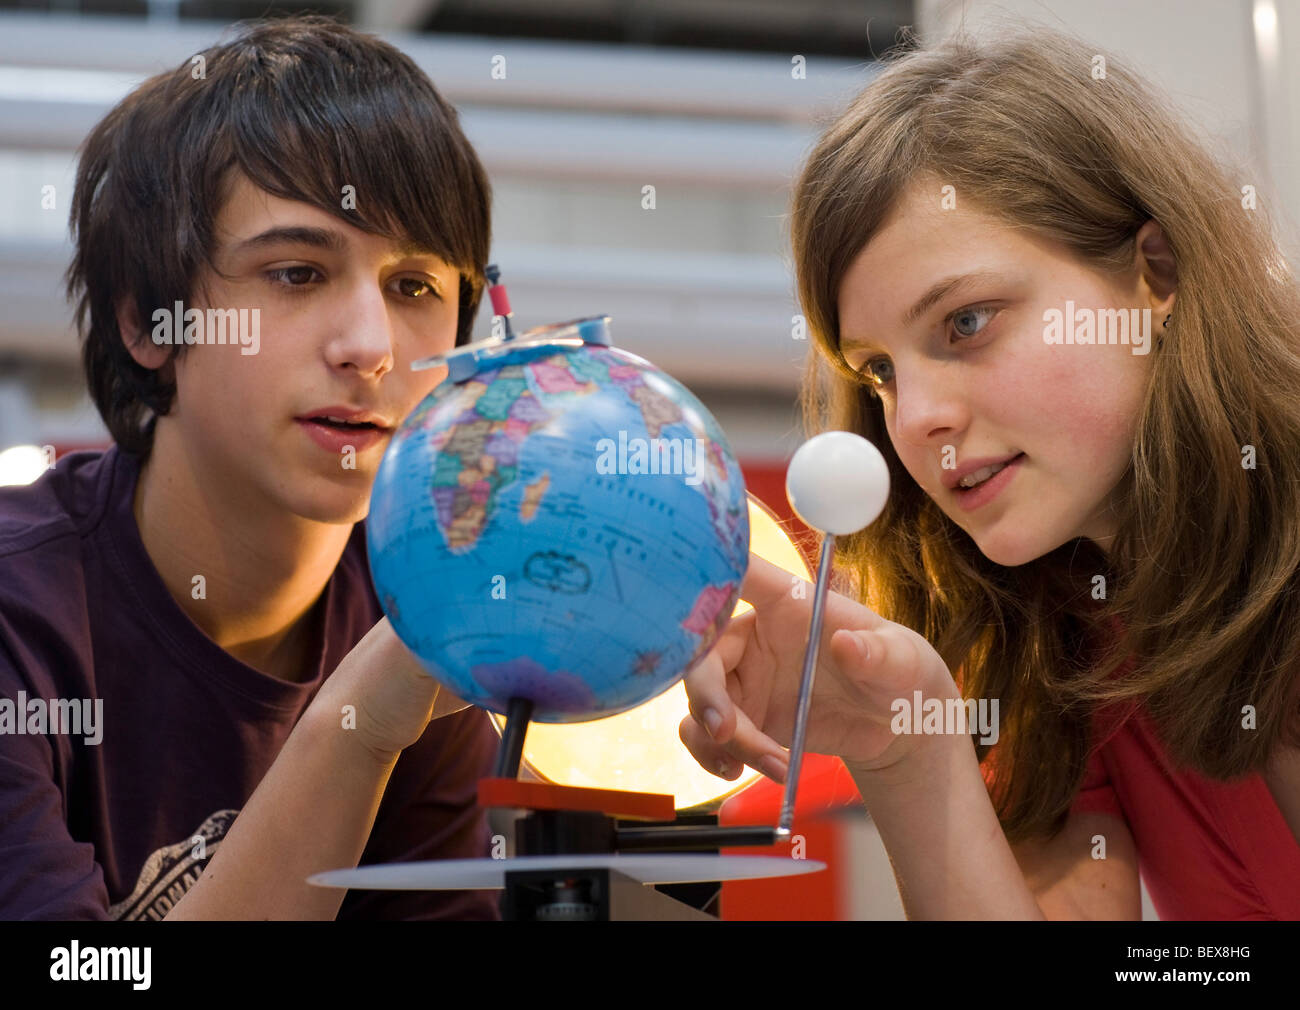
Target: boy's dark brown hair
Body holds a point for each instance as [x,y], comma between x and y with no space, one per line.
[303,106]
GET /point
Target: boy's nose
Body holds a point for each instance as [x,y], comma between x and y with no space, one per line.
[365,337]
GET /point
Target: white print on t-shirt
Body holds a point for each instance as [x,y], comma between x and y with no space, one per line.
[170,871]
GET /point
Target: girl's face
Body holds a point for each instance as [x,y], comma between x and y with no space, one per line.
[946,312]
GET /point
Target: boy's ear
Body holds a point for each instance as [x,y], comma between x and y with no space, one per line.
[137,340]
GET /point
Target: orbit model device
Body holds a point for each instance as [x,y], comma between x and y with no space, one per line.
[559,533]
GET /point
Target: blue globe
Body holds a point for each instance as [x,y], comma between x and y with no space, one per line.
[561,522]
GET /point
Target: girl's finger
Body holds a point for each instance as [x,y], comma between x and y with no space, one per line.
[754,747]
[706,684]
[758,751]
[880,663]
[712,757]
[765,583]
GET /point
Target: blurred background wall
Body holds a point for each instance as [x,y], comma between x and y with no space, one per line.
[711,102]
[704,102]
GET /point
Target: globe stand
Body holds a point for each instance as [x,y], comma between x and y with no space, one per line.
[518,713]
[578,821]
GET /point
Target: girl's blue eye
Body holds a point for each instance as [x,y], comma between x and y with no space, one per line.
[880,371]
[974,311]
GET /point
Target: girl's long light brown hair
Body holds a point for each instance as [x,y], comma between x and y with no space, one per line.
[1200,587]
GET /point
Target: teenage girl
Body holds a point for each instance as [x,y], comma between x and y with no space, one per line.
[1023,272]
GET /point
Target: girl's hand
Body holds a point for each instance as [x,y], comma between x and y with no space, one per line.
[751,681]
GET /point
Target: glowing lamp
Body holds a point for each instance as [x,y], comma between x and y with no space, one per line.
[639,750]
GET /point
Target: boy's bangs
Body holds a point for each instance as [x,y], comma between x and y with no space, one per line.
[372,156]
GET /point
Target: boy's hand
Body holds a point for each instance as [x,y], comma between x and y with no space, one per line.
[751,680]
[394,698]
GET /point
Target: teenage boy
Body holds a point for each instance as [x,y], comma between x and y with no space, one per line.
[198,595]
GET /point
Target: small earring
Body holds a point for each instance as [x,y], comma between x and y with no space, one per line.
[1167,318]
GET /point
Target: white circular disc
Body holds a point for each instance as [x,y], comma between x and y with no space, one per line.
[474,874]
[837,482]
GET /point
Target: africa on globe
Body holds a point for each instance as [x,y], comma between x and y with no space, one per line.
[559,521]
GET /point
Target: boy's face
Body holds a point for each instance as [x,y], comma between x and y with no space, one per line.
[339,326]
[974,377]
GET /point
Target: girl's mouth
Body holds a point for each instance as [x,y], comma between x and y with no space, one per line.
[991,482]
[984,473]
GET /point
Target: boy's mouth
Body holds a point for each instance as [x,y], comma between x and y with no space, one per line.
[346,418]
[338,422]
[342,428]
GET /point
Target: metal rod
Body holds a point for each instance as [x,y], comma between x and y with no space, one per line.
[786,822]
[690,837]
[518,712]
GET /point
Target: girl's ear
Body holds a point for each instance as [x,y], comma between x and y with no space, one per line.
[1156,264]
[136,339]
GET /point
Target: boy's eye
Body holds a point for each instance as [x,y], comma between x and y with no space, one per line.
[301,277]
[283,275]
[428,289]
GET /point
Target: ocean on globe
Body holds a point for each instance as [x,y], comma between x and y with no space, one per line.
[565,524]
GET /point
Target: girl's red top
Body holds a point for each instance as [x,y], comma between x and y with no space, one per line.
[1207,850]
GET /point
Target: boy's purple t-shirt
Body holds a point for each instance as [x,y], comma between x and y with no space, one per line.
[110,830]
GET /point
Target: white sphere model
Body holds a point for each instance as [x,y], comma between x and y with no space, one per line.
[837,482]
